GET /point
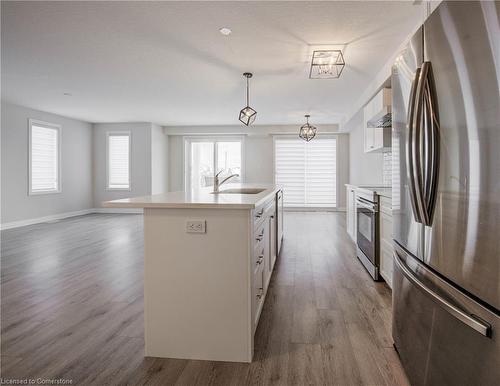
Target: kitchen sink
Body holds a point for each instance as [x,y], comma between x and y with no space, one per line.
[240,191]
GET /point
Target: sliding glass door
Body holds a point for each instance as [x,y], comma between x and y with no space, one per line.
[209,155]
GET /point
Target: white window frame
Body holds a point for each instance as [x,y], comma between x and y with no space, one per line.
[119,133]
[212,138]
[36,122]
[311,208]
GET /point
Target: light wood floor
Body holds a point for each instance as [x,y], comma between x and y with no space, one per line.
[72,308]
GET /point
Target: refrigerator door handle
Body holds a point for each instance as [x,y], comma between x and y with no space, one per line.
[431,127]
[410,150]
[470,320]
[419,144]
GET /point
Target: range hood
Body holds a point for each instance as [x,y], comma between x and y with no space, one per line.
[383,122]
[379,110]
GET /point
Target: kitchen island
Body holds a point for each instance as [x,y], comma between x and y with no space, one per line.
[208,259]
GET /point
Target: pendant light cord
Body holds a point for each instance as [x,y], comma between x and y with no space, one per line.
[248,103]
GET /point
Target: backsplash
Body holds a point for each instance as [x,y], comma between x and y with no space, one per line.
[387,169]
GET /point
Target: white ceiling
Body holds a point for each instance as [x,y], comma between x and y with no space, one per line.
[167,63]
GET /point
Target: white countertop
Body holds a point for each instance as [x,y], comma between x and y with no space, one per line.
[202,198]
[385,191]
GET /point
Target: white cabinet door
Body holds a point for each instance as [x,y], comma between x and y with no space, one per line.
[369,132]
[386,264]
[272,242]
[258,293]
[279,214]
[386,248]
[351,213]
[376,138]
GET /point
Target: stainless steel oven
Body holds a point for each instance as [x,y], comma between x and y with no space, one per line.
[367,231]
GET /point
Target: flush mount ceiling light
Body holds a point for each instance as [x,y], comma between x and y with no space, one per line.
[247,114]
[225,31]
[307,131]
[326,64]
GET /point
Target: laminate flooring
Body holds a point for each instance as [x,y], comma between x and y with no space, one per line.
[72,309]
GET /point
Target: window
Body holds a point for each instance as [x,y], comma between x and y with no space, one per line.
[207,156]
[118,161]
[44,157]
[306,171]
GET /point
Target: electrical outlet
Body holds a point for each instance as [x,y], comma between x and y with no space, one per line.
[196,226]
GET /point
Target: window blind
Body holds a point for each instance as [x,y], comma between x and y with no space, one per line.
[44,158]
[307,171]
[119,161]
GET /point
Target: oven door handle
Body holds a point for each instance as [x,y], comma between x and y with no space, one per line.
[366,204]
[370,208]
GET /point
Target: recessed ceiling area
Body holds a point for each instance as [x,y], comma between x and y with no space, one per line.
[168,63]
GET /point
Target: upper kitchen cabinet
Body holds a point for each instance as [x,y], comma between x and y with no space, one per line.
[377,122]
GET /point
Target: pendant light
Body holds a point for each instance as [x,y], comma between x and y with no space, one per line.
[307,131]
[247,114]
[326,64]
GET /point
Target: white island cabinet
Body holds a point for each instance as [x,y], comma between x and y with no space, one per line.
[208,259]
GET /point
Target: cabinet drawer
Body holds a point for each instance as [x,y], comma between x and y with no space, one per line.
[259,254]
[258,216]
[258,293]
[260,235]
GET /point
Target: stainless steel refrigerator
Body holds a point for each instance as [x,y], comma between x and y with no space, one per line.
[446,198]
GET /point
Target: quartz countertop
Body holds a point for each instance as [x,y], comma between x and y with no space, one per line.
[385,191]
[201,198]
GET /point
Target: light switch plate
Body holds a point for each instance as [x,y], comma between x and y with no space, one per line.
[196,226]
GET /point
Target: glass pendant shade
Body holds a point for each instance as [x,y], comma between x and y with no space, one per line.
[247,114]
[326,64]
[307,131]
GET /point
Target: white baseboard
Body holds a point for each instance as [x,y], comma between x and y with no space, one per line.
[119,210]
[38,220]
[59,216]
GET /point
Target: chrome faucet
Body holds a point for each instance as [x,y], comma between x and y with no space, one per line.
[217,184]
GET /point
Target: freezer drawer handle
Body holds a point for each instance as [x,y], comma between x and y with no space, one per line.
[470,320]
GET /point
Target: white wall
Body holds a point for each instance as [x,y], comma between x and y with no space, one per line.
[76,166]
[343,166]
[364,168]
[159,160]
[259,152]
[140,172]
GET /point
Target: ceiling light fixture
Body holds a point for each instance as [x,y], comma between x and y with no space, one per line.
[225,31]
[326,64]
[307,131]
[247,114]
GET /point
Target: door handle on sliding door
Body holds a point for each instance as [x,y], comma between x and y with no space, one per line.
[470,320]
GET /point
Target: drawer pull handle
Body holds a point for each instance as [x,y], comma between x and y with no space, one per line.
[465,317]
[261,293]
[260,213]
